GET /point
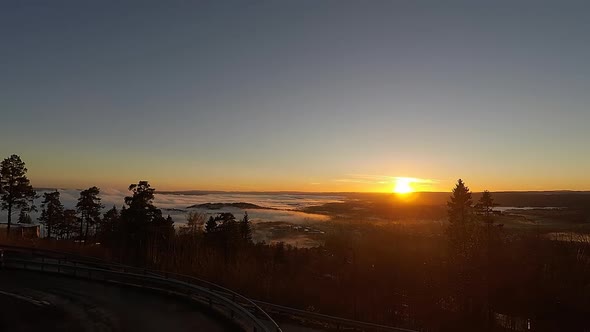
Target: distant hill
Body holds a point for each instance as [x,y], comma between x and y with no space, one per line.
[173,210]
[573,199]
[210,192]
[218,206]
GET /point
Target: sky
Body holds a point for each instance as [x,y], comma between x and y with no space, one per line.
[297,95]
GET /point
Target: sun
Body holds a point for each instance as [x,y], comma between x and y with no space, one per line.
[402,186]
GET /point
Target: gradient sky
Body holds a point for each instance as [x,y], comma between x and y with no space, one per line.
[297,95]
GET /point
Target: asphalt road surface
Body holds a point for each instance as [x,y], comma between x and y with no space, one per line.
[32,301]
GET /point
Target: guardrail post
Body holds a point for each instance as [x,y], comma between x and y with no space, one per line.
[1,258]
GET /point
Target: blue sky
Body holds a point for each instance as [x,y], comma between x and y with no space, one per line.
[297,95]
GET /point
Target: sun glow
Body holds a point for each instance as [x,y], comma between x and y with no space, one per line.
[403,186]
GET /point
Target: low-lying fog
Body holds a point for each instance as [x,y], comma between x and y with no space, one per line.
[281,208]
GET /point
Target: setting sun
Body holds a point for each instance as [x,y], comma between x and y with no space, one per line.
[402,186]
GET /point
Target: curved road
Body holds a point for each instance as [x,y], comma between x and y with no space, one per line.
[32,301]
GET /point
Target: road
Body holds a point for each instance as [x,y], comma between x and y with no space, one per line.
[32,301]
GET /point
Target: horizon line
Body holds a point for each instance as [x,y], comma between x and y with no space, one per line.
[203,191]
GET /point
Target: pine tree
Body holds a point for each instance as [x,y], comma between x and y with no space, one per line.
[246,229]
[227,235]
[143,225]
[108,225]
[140,204]
[16,189]
[109,220]
[69,224]
[460,205]
[89,207]
[165,228]
[52,212]
[485,207]
[460,211]
[464,248]
[211,225]
[24,218]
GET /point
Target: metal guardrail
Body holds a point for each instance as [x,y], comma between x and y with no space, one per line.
[338,322]
[228,306]
[256,307]
[220,290]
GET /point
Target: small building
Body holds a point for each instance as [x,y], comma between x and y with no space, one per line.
[25,231]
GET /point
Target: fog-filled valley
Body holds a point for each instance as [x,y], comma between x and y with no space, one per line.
[302,219]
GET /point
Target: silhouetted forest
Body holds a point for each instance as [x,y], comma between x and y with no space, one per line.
[465,274]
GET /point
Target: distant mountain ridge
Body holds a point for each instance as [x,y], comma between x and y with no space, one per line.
[210,192]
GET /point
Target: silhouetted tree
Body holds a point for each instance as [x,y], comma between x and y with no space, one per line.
[140,203]
[246,229]
[142,223]
[227,225]
[89,207]
[485,206]
[211,225]
[108,226]
[460,205]
[24,217]
[194,223]
[222,231]
[227,217]
[68,224]
[461,227]
[52,212]
[462,235]
[165,229]
[491,239]
[16,189]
